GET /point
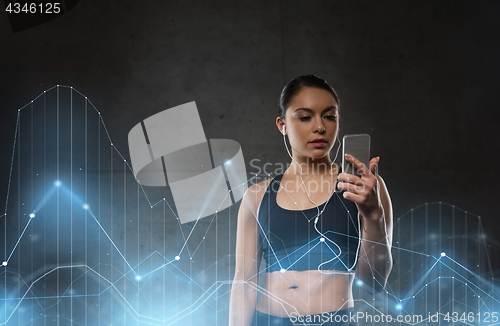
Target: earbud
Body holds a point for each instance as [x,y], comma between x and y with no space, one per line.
[284,130]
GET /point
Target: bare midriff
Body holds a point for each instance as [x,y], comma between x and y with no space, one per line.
[305,292]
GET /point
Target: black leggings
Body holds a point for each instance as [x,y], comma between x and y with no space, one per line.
[335,318]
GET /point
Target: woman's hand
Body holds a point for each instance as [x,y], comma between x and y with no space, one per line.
[369,193]
[364,190]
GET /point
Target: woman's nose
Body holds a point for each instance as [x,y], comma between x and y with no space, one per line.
[320,127]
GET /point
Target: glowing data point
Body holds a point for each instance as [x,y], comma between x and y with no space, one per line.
[228,162]
[138,277]
[4,263]
[359,282]
[283,270]
[443,254]
[32,215]
[322,239]
[398,306]
[57,183]
[177,257]
[85,206]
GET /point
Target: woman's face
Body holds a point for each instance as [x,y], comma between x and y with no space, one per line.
[311,122]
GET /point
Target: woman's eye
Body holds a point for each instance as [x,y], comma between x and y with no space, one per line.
[331,117]
[304,118]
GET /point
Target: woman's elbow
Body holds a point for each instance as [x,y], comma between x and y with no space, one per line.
[376,279]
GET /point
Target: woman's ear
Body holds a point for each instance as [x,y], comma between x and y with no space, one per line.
[281,125]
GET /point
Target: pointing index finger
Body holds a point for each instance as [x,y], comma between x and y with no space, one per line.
[360,167]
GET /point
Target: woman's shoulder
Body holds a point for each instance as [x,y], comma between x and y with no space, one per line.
[254,194]
[260,186]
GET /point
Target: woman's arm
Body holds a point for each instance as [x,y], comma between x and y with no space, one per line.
[248,254]
[370,194]
[375,262]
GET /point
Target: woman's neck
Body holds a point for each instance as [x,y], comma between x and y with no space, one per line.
[311,167]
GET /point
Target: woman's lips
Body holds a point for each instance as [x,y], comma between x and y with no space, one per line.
[318,144]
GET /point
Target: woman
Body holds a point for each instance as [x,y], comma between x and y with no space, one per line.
[312,251]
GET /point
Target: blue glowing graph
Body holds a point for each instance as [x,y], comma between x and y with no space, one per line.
[83,241]
[442,265]
[85,244]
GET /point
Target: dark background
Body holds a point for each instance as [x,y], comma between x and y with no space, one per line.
[421,77]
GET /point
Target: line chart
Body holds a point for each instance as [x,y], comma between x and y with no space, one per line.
[85,243]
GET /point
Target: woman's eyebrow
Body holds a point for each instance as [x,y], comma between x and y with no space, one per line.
[311,111]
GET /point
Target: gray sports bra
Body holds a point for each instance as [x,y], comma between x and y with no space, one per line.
[290,242]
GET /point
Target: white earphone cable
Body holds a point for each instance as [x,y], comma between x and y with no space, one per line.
[316,217]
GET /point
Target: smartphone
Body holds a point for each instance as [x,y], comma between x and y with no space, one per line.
[357,145]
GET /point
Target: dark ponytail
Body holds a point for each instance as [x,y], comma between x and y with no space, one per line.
[296,84]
